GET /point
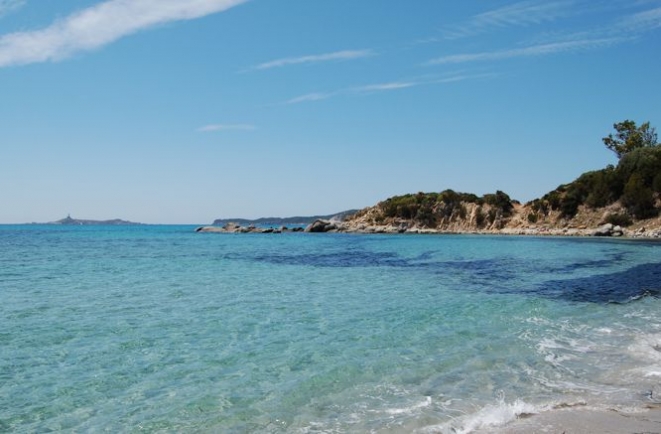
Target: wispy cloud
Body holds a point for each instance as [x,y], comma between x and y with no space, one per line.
[100,25]
[308,97]
[387,87]
[535,50]
[317,58]
[7,6]
[524,13]
[226,127]
[642,21]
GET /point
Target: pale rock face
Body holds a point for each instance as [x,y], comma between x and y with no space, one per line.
[587,222]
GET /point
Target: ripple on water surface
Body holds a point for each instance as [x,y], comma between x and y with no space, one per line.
[161,329]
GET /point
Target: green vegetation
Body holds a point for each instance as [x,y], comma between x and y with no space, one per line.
[635,181]
[630,137]
[428,209]
[622,219]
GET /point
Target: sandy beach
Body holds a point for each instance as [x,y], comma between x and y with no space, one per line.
[584,421]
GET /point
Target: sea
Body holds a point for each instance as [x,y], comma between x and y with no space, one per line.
[161,329]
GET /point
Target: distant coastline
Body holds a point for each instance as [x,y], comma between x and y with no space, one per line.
[283,221]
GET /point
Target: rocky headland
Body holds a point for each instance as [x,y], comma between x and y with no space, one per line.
[470,217]
[618,201]
[450,212]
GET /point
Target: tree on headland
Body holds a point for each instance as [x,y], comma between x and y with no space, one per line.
[630,137]
[638,198]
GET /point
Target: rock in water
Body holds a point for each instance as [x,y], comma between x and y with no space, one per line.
[604,231]
[320,226]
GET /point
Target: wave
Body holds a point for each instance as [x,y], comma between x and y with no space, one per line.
[490,416]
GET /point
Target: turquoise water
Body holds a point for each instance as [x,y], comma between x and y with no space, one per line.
[160,329]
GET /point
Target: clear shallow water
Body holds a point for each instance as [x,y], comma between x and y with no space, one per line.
[160,329]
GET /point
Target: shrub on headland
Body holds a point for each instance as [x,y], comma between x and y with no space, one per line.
[429,209]
[635,181]
[501,202]
[638,198]
[620,219]
[633,185]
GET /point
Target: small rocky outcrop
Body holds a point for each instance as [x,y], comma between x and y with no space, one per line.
[321,226]
[608,230]
[235,228]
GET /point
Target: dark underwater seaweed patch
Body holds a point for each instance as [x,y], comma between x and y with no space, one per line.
[609,260]
[497,277]
[347,259]
[619,287]
[503,275]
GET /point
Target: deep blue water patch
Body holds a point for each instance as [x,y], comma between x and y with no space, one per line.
[620,287]
[503,274]
[348,259]
[608,261]
[485,270]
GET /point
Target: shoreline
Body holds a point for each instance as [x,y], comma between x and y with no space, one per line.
[583,421]
[342,227]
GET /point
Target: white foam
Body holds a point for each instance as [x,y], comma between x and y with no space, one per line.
[490,416]
[411,409]
[646,347]
[573,345]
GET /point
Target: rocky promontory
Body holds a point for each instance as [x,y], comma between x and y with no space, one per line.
[622,200]
[449,212]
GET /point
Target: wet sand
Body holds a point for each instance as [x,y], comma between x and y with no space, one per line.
[584,421]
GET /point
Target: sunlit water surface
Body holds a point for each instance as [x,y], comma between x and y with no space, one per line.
[161,329]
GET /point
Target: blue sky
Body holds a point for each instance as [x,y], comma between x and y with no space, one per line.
[183,111]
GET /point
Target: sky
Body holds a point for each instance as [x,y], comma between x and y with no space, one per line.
[184,111]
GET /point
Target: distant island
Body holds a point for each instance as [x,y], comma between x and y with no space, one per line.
[68,220]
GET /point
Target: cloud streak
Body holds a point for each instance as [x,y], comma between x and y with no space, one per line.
[643,21]
[317,58]
[533,51]
[524,13]
[100,25]
[395,85]
[385,87]
[7,6]
[226,127]
[309,97]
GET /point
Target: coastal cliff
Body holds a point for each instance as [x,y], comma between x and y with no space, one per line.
[437,213]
